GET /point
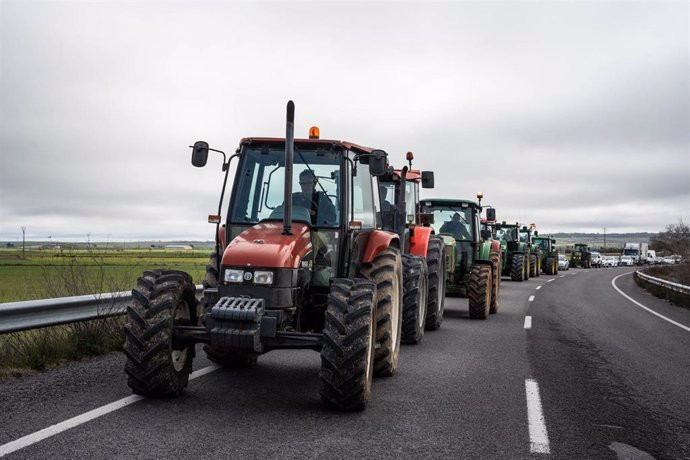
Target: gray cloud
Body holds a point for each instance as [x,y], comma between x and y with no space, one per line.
[574,115]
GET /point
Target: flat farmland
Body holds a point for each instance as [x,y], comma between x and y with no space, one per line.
[58,273]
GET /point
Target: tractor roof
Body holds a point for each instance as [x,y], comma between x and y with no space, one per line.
[306,142]
[449,202]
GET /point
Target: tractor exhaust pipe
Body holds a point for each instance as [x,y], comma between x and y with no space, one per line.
[289,151]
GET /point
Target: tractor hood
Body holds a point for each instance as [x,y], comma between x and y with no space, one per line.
[264,245]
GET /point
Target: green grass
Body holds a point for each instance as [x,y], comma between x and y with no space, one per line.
[56,273]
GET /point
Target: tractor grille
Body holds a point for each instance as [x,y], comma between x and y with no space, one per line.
[234,324]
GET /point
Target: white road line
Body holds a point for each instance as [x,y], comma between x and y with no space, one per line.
[613,283]
[538,287]
[528,322]
[538,438]
[551,280]
[33,438]
[562,276]
[531,298]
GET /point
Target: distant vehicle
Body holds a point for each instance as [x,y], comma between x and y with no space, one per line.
[651,257]
[596,259]
[627,261]
[638,252]
[670,260]
[563,263]
[606,261]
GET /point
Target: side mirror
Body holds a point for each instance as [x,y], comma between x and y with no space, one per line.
[486,234]
[427,179]
[378,162]
[491,214]
[200,154]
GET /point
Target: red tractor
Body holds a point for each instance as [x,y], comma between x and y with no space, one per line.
[311,269]
[423,260]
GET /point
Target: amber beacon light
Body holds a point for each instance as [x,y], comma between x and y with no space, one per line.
[314,132]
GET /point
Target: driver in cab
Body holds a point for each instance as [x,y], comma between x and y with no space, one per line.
[318,204]
[456,228]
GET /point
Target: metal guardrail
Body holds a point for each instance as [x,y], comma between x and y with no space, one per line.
[33,314]
[664,283]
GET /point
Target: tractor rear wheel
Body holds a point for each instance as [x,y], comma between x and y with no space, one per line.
[537,269]
[517,267]
[436,263]
[386,271]
[232,359]
[496,280]
[415,291]
[347,355]
[549,266]
[156,366]
[479,291]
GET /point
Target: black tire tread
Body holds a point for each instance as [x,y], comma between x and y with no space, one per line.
[479,291]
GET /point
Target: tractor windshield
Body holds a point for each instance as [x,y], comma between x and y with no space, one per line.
[260,191]
[524,237]
[506,234]
[452,220]
[542,243]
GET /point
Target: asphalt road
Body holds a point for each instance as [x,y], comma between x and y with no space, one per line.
[612,380]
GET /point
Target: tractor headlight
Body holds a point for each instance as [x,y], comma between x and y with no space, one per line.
[263,277]
[233,276]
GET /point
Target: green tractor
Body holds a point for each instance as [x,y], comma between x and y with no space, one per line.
[548,254]
[473,264]
[581,256]
[516,260]
[534,258]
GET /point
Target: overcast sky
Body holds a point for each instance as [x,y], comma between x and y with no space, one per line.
[572,115]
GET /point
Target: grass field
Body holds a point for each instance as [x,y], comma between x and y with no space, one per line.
[58,273]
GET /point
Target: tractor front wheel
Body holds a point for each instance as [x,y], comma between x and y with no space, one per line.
[347,355]
[517,267]
[415,291]
[533,266]
[386,271]
[479,291]
[156,366]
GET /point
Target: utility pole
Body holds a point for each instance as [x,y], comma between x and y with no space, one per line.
[23,242]
[604,239]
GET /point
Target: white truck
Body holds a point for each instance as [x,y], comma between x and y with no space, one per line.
[651,257]
[637,251]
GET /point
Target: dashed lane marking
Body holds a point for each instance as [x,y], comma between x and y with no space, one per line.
[33,438]
[531,298]
[551,280]
[613,283]
[538,287]
[528,322]
[538,437]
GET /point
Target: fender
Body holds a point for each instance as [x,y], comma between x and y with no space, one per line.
[419,242]
[264,245]
[484,251]
[495,246]
[378,241]
[220,237]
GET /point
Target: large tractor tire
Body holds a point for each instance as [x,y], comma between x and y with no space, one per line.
[495,281]
[347,355]
[517,267]
[549,266]
[555,265]
[479,291]
[386,271]
[537,265]
[415,292]
[526,258]
[232,359]
[436,263]
[156,366]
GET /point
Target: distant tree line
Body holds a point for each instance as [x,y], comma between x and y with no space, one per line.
[674,240]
